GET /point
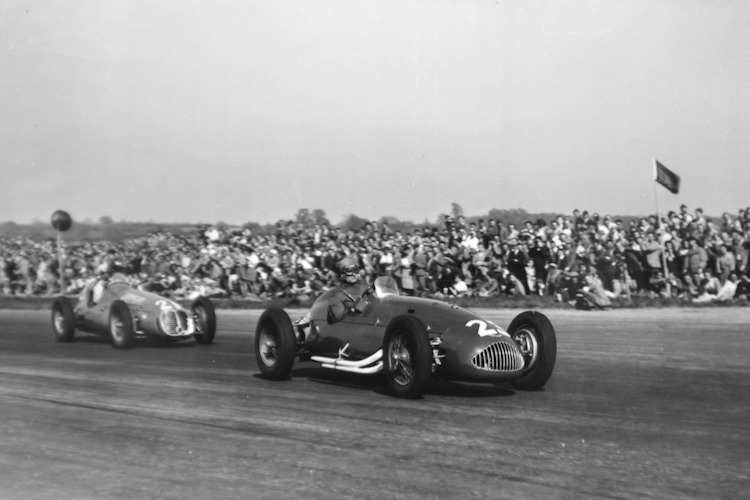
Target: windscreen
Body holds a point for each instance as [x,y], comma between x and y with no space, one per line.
[385,285]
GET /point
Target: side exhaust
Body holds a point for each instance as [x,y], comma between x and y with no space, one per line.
[372,364]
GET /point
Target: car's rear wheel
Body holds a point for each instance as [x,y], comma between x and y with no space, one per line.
[535,337]
[205,318]
[274,344]
[407,357]
[121,325]
[63,319]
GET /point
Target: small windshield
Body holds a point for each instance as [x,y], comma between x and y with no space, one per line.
[385,285]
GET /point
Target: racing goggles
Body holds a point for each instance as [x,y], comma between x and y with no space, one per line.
[349,270]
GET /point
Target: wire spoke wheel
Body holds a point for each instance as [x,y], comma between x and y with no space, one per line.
[274,344]
[400,353]
[63,319]
[204,316]
[121,325]
[116,328]
[58,320]
[407,363]
[535,338]
[525,337]
[267,348]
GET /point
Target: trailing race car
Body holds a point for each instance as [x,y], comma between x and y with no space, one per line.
[409,339]
[114,308]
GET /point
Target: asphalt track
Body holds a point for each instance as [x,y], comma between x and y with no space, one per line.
[643,404]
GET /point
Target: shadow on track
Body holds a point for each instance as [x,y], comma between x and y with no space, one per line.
[376,384]
[140,343]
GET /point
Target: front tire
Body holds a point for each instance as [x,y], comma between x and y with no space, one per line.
[274,344]
[535,337]
[63,319]
[407,357]
[204,315]
[121,325]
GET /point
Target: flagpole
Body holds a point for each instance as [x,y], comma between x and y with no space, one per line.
[658,226]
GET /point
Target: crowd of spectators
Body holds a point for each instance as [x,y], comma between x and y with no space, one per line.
[583,258]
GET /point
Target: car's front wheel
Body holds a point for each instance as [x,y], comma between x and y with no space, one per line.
[205,318]
[274,344]
[407,357]
[535,337]
[121,325]
[63,319]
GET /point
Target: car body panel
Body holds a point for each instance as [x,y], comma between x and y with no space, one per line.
[153,315]
[457,334]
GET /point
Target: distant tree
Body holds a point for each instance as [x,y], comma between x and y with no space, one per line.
[319,217]
[106,220]
[252,226]
[352,221]
[456,209]
[513,216]
[304,217]
[390,220]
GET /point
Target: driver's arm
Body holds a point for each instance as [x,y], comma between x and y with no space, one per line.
[339,306]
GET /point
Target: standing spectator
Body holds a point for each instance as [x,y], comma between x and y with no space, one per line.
[605,262]
[696,261]
[403,268]
[726,262]
[539,254]
[517,260]
[420,269]
[513,233]
[651,253]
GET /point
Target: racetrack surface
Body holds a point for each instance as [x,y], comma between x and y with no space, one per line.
[643,403]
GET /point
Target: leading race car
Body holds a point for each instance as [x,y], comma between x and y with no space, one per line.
[113,307]
[409,339]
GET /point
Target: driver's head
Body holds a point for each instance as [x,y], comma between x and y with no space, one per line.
[349,270]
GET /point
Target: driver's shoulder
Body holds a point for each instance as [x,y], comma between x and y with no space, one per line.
[325,296]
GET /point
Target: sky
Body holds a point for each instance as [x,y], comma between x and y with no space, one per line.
[247,110]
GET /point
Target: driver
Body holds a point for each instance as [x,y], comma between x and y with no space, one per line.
[344,296]
[341,299]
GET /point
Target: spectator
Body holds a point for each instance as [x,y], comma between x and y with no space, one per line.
[517,260]
[254,264]
[696,261]
[540,255]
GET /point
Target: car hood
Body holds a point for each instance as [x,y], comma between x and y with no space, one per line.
[439,317]
[138,300]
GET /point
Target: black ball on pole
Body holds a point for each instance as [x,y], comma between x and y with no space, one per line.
[61,220]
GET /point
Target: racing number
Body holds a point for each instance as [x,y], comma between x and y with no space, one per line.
[483,330]
[163,305]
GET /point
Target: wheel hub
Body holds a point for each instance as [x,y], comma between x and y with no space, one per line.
[527,343]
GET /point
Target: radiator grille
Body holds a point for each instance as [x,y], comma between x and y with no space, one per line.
[499,357]
[175,323]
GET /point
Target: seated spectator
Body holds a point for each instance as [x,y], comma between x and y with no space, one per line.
[728,289]
[592,294]
[743,287]
[459,288]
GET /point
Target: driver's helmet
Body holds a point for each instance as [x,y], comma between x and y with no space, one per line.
[348,269]
[118,278]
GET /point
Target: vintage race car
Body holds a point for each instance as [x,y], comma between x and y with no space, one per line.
[124,313]
[410,340]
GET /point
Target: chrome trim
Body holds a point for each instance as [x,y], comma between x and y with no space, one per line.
[499,357]
[371,364]
[176,323]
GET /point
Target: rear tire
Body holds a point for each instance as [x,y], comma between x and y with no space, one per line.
[204,315]
[407,357]
[121,325]
[63,319]
[275,343]
[535,336]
